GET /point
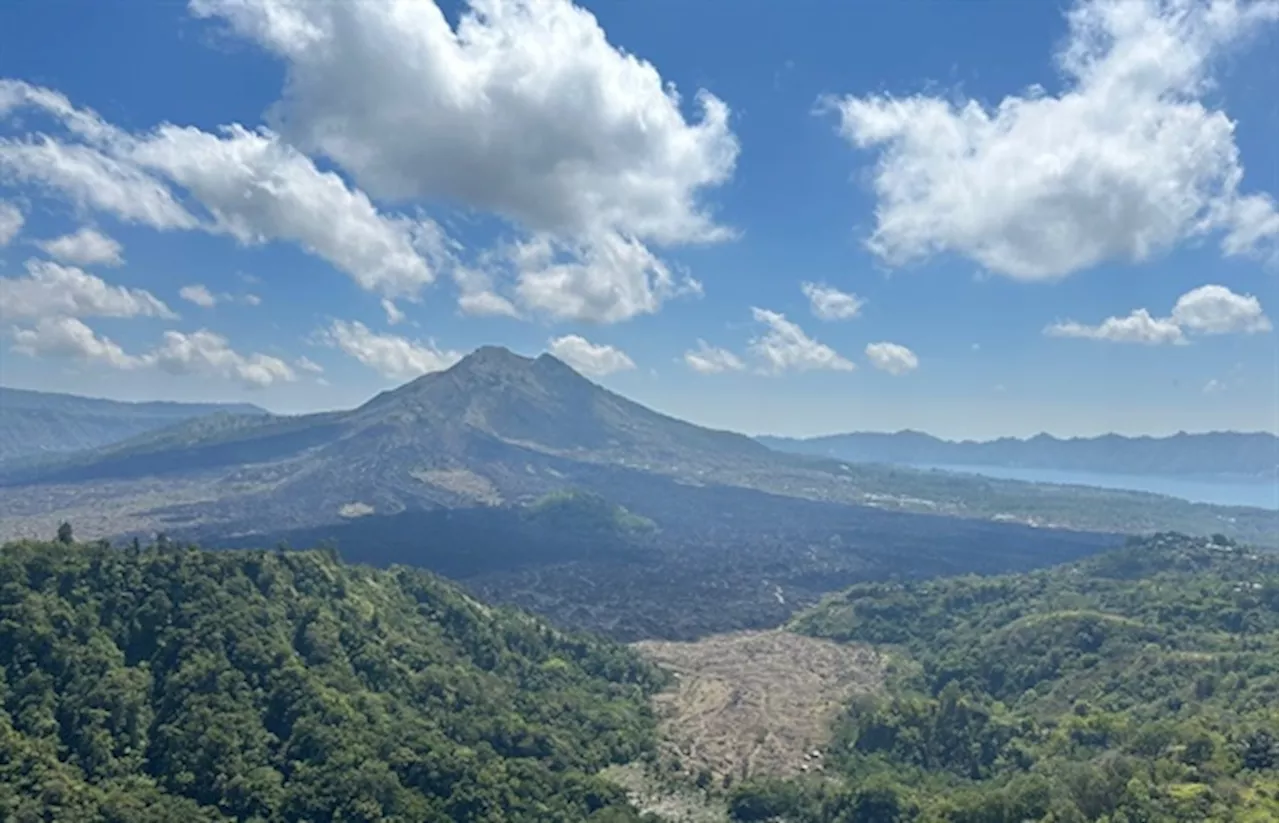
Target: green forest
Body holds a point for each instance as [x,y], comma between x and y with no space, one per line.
[1138,686]
[167,683]
[154,683]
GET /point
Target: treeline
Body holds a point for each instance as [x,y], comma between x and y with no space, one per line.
[1135,687]
[161,683]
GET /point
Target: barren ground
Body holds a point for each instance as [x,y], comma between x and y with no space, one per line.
[679,803]
[756,703]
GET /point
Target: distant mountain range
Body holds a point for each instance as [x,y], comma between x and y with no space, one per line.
[34,423]
[499,429]
[1213,453]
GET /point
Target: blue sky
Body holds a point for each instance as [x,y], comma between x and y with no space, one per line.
[1010,217]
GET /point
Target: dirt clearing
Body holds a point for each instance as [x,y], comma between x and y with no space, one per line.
[756,703]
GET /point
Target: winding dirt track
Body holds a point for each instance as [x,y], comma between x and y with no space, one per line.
[757,703]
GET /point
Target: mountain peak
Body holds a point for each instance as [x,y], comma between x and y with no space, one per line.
[485,370]
[504,364]
[492,361]
[492,357]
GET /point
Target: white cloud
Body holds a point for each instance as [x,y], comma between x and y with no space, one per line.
[1125,163]
[1252,225]
[306,364]
[198,294]
[486,304]
[593,359]
[1208,309]
[258,188]
[785,347]
[205,353]
[11,221]
[252,186]
[707,359]
[476,295]
[255,187]
[525,110]
[828,303]
[607,280]
[892,358]
[15,94]
[1218,310]
[1137,327]
[1214,386]
[68,337]
[89,173]
[202,352]
[85,247]
[51,289]
[390,355]
[93,180]
[393,312]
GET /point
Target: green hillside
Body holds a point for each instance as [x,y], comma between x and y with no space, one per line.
[167,683]
[1138,685]
[586,513]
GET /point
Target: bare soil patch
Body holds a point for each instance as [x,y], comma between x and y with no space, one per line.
[671,800]
[756,703]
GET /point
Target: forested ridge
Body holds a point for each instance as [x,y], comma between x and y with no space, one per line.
[1138,685]
[167,683]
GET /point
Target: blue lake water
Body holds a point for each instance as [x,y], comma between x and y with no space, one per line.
[1223,491]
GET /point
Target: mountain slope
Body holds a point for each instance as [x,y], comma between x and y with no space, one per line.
[495,429]
[165,683]
[1251,454]
[41,423]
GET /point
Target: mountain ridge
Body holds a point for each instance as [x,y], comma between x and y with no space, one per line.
[1245,454]
[35,424]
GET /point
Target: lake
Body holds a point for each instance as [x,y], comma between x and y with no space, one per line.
[1222,491]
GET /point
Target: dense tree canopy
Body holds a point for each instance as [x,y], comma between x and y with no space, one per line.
[165,682]
[1138,686]
[168,683]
